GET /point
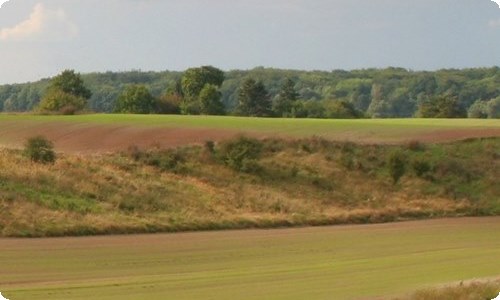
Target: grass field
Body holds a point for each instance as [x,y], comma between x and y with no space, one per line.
[346,262]
[78,133]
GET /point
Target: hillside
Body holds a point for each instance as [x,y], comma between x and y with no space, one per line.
[246,183]
[392,92]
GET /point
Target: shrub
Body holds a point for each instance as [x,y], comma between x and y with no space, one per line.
[241,153]
[40,150]
[421,167]
[397,165]
[60,102]
[415,145]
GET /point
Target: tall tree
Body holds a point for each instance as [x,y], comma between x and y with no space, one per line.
[444,106]
[70,82]
[194,79]
[493,108]
[66,94]
[192,83]
[283,106]
[253,99]
[135,99]
[210,101]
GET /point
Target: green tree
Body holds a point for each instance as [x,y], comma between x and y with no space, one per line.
[135,99]
[478,110]
[65,94]
[57,101]
[341,110]
[283,106]
[444,106]
[194,79]
[193,82]
[493,108]
[253,99]
[169,103]
[210,100]
[70,82]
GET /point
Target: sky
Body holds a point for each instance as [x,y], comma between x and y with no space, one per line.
[40,38]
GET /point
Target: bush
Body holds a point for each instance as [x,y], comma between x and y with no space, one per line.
[421,167]
[241,153]
[59,102]
[397,165]
[40,150]
[415,145]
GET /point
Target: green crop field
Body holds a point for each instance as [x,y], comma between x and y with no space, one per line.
[343,262]
[299,126]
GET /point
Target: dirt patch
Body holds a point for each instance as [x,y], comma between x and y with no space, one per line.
[109,138]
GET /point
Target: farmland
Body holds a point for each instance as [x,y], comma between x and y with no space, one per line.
[344,262]
[124,174]
[117,132]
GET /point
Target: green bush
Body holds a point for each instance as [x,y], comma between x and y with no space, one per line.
[397,165]
[421,167]
[59,102]
[40,150]
[241,153]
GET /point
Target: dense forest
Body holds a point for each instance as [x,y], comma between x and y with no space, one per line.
[376,93]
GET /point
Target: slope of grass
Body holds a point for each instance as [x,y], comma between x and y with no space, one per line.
[292,183]
[485,289]
[342,262]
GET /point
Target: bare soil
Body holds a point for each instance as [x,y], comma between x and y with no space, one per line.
[91,138]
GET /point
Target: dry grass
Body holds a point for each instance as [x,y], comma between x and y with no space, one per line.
[296,183]
[474,290]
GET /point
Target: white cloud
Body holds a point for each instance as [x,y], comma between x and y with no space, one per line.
[43,24]
[2,2]
[497,2]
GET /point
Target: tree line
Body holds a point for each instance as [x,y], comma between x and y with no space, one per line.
[207,90]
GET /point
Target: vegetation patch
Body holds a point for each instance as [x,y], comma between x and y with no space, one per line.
[246,182]
[485,289]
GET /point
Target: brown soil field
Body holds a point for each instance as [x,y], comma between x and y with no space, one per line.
[111,138]
[102,138]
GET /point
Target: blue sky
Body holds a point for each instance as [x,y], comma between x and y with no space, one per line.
[39,38]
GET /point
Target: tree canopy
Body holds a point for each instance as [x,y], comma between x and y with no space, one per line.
[135,99]
[210,103]
[387,93]
[445,106]
[194,79]
[65,94]
[71,83]
[287,97]
[254,99]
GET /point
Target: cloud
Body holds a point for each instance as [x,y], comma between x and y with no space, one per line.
[2,2]
[497,2]
[43,24]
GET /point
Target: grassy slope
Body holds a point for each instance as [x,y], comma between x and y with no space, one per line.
[475,289]
[346,262]
[303,182]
